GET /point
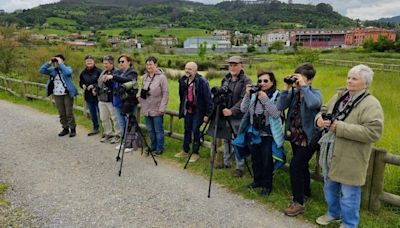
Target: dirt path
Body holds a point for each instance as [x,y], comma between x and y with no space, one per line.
[73,182]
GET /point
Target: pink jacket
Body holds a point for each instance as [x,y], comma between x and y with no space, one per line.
[156,103]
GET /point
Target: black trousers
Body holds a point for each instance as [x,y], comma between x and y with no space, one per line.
[262,163]
[299,171]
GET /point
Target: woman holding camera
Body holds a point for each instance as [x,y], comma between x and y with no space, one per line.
[124,74]
[303,102]
[356,122]
[258,104]
[61,86]
[153,103]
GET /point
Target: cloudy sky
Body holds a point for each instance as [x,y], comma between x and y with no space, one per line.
[362,9]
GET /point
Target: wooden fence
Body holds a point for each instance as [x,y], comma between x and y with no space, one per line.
[350,63]
[372,194]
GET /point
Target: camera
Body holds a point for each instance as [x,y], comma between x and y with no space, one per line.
[255,88]
[290,80]
[220,95]
[259,121]
[327,116]
[217,91]
[125,89]
[144,93]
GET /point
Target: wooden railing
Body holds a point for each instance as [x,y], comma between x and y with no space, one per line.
[350,63]
[373,193]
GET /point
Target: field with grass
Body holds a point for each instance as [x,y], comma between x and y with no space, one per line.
[328,79]
[60,21]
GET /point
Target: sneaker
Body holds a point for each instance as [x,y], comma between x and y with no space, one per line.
[94,132]
[326,219]
[105,138]
[294,209]
[194,157]
[64,131]
[238,173]
[182,154]
[118,146]
[222,166]
[128,150]
[115,139]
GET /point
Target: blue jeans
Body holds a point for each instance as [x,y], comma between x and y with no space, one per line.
[155,128]
[343,201]
[192,125]
[93,107]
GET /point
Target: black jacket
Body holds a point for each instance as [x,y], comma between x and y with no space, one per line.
[202,98]
[89,77]
[105,89]
[238,90]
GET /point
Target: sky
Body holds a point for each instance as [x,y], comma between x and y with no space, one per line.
[361,9]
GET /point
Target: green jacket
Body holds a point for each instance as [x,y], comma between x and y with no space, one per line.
[354,138]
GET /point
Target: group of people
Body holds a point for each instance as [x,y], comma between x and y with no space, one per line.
[343,130]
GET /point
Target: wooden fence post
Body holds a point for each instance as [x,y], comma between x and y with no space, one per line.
[377,180]
[366,189]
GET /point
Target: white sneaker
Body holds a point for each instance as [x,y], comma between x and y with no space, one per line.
[128,150]
[118,146]
[326,219]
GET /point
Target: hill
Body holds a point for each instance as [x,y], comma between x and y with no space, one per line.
[391,19]
[245,16]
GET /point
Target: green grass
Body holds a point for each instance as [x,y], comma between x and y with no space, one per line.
[60,21]
[53,31]
[3,188]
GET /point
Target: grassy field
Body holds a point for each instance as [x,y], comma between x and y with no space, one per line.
[60,21]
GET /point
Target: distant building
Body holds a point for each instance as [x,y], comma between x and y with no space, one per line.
[194,42]
[275,35]
[357,36]
[80,43]
[74,36]
[166,41]
[222,35]
[318,38]
[52,37]
[38,37]
[2,11]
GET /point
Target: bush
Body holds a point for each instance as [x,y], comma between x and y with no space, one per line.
[213,74]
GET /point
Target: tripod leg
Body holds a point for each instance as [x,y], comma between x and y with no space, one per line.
[190,155]
[123,143]
[214,149]
[248,167]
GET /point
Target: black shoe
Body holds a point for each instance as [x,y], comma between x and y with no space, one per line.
[65,131]
[265,191]
[94,132]
[238,173]
[73,132]
[253,185]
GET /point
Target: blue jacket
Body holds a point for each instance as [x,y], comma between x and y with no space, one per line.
[202,98]
[66,74]
[120,77]
[309,108]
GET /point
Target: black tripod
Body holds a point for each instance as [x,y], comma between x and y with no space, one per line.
[132,122]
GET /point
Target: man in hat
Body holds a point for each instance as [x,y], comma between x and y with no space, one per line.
[236,81]
[88,81]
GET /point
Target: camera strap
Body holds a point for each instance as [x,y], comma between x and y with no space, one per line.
[188,87]
[342,115]
[61,78]
[151,81]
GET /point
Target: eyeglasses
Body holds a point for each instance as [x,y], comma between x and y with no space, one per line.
[122,61]
[265,81]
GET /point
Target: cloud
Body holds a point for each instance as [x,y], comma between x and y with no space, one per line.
[12,5]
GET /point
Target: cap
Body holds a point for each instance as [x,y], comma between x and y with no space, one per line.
[235,59]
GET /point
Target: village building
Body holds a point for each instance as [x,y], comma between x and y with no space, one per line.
[358,36]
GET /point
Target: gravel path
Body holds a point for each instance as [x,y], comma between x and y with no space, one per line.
[73,182]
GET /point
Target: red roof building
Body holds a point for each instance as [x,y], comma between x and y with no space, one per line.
[358,35]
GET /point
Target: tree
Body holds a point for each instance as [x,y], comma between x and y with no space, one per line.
[324,8]
[276,45]
[202,50]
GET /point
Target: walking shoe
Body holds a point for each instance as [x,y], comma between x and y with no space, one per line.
[105,138]
[326,219]
[294,209]
[115,139]
[194,157]
[94,132]
[238,173]
[222,166]
[265,191]
[118,146]
[73,132]
[128,150]
[64,131]
[182,154]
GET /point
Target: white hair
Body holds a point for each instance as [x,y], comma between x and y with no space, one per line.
[192,64]
[365,72]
